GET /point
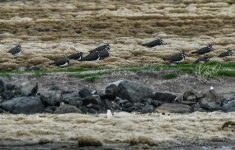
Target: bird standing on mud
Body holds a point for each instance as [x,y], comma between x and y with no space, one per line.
[17,50]
[61,62]
[153,43]
[204,50]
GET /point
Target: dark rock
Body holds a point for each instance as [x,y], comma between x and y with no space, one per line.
[133,91]
[94,99]
[7,95]
[29,88]
[111,90]
[54,87]
[147,109]
[229,107]
[50,109]
[92,111]
[156,103]
[211,101]
[26,105]
[2,85]
[174,108]
[129,109]
[64,108]
[84,93]
[146,101]
[127,105]
[11,87]
[51,97]
[69,95]
[83,109]
[165,97]
[94,106]
[2,110]
[121,101]
[108,104]
[74,101]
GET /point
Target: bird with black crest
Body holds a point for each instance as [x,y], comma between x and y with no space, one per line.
[16,51]
[76,56]
[227,53]
[204,50]
[62,62]
[102,47]
[176,58]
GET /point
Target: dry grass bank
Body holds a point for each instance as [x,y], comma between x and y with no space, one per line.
[51,30]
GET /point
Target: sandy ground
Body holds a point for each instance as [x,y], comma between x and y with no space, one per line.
[50,30]
[151,129]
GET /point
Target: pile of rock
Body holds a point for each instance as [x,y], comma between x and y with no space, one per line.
[123,95]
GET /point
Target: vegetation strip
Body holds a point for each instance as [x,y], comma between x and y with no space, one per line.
[209,70]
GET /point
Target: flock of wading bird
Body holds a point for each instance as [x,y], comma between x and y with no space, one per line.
[102,52]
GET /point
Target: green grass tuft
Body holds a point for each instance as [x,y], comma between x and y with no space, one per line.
[92,78]
[169,76]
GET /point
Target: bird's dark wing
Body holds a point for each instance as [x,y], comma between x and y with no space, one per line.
[14,50]
[90,57]
[74,56]
[176,57]
[59,62]
[103,54]
[202,50]
[224,54]
[102,47]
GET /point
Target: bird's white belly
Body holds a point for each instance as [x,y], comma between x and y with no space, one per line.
[17,54]
[64,65]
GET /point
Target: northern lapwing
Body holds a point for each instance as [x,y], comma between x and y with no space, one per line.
[76,56]
[91,57]
[153,43]
[203,59]
[176,58]
[103,54]
[63,62]
[100,48]
[204,50]
[17,50]
[224,54]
